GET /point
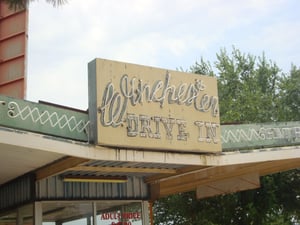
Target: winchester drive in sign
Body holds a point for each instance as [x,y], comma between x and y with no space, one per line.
[141,107]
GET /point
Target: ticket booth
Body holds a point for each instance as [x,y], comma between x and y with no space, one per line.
[53,201]
[78,212]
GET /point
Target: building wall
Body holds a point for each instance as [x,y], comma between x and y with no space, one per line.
[56,188]
[17,192]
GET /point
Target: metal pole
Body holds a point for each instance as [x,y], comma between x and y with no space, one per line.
[94,213]
[38,213]
[145,212]
[19,217]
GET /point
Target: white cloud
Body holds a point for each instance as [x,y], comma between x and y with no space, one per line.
[169,34]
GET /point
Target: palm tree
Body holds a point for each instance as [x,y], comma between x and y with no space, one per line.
[19,4]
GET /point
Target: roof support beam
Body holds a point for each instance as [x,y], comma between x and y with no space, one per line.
[155,178]
[58,167]
[192,180]
[110,169]
[226,186]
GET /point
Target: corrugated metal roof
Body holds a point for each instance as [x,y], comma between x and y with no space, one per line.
[136,169]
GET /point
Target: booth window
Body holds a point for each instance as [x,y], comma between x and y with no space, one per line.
[82,213]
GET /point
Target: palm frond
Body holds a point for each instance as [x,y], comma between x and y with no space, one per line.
[21,4]
[56,3]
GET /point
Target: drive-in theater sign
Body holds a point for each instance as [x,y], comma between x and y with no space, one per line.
[133,106]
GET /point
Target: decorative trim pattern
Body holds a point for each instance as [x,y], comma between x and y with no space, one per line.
[260,135]
[251,134]
[44,119]
[52,118]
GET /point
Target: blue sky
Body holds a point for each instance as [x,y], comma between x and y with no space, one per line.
[161,33]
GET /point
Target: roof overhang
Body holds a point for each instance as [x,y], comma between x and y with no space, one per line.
[166,172]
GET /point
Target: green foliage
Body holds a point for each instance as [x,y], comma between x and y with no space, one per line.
[203,67]
[247,87]
[290,95]
[184,209]
[288,193]
[251,89]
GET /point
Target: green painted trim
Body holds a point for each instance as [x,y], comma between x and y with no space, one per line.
[92,81]
[251,136]
[43,118]
[71,124]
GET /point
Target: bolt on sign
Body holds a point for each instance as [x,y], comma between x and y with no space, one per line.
[142,107]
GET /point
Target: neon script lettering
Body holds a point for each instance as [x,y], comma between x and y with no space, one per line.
[134,91]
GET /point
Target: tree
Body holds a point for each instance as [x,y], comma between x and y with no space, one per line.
[20,4]
[290,95]
[251,89]
[247,87]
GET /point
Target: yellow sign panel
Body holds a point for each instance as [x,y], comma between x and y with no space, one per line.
[141,107]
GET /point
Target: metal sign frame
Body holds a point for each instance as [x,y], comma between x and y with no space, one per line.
[135,106]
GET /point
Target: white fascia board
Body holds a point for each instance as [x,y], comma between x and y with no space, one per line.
[84,150]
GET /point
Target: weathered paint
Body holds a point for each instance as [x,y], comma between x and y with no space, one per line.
[44,119]
[251,136]
[136,106]
[13,47]
[72,124]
